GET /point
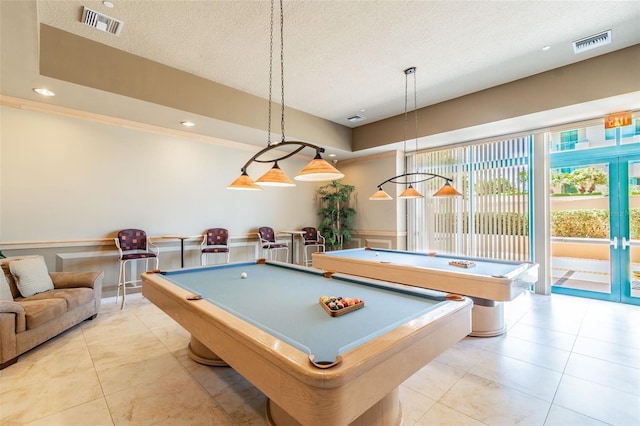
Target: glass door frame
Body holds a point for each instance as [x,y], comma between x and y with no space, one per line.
[617,158]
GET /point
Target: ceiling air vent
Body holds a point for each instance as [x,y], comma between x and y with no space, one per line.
[354,118]
[592,42]
[101,22]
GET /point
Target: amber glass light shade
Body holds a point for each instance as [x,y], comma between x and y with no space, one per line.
[274,177]
[410,192]
[318,170]
[447,191]
[245,183]
[380,195]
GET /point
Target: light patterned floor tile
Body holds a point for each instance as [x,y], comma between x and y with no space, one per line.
[138,358]
[559,416]
[619,354]
[610,374]
[414,405]
[205,415]
[543,336]
[533,353]
[624,334]
[94,413]
[536,381]
[116,325]
[494,404]
[172,335]
[128,349]
[461,356]
[70,340]
[47,362]
[599,402]
[215,379]
[441,415]
[32,402]
[160,400]
[244,403]
[434,379]
[565,322]
[141,373]
[152,316]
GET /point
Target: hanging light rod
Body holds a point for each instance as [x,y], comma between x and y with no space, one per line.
[317,170]
[409,179]
[416,177]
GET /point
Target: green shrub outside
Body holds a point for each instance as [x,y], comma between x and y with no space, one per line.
[502,223]
[589,223]
[573,194]
[586,223]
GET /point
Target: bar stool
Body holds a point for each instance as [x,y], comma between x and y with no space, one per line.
[133,246]
[269,244]
[312,239]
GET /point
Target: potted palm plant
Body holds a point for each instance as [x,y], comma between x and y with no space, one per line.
[336,214]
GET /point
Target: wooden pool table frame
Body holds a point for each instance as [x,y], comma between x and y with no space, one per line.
[361,390]
[487,292]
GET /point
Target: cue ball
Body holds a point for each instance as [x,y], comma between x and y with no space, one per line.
[243,275]
[377,254]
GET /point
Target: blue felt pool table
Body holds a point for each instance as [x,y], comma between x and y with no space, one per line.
[488,282]
[315,367]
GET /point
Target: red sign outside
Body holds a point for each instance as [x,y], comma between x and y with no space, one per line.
[617,120]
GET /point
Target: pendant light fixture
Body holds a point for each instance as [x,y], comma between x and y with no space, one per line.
[317,170]
[411,178]
[410,192]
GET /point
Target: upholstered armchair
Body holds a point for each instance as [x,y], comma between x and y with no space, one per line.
[215,240]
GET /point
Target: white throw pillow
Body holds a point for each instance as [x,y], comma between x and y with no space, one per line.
[5,291]
[31,276]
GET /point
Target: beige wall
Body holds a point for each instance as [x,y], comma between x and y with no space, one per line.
[67,185]
[63,178]
[604,76]
[377,223]
[63,56]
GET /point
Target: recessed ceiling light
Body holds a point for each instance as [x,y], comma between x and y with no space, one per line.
[108,4]
[43,92]
[332,155]
[544,49]
[188,123]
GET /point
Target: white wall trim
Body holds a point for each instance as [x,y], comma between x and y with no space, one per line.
[378,243]
[392,234]
[97,242]
[356,241]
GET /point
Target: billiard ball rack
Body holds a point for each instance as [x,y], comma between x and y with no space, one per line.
[341,311]
[463,263]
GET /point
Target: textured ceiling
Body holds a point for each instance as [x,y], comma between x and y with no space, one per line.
[341,57]
[345,56]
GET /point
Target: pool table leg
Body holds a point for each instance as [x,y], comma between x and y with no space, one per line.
[487,318]
[386,412]
[203,355]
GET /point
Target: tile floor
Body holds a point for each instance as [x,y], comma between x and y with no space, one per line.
[564,361]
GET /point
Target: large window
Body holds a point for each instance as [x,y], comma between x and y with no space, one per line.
[492,218]
[594,136]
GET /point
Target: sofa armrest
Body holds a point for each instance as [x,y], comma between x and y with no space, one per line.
[77,279]
[8,307]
